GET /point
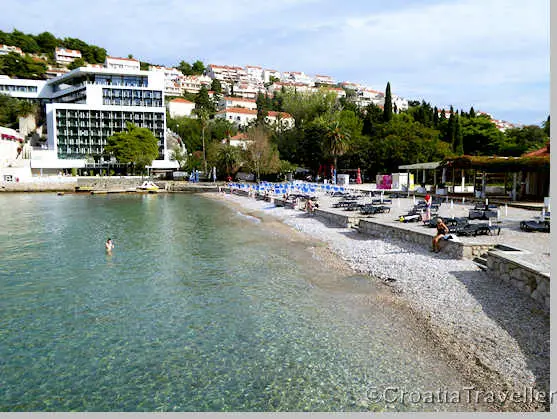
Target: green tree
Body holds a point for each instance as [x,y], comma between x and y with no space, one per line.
[228,158]
[95,55]
[262,108]
[47,42]
[451,128]
[219,129]
[78,62]
[262,155]
[198,67]
[388,108]
[14,65]
[180,156]
[137,146]
[203,117]
[480,136]
[185,68]
[216,86]
[547,126]
[517,141]
[9,111]
[189,130]
[404,141]
[336,141]
[202,101]
[26,42]
[25,109]
[472,113]
[373,120]
[457,144]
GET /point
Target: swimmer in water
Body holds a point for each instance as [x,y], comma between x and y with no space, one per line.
[109,245]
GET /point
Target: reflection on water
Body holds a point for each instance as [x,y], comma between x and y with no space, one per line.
[197,309]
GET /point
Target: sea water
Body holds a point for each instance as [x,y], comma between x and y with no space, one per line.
[199,308]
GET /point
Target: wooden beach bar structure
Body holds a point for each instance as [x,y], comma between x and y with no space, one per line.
[518,178]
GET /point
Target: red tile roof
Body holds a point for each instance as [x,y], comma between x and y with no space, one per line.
[239,99]
[239,110]
[120,58]
[544,151]
[282,115]
[181,100]
[240,136]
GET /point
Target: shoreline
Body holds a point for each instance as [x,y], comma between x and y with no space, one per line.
[500,343]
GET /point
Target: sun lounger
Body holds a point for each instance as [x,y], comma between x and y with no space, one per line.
[374,209]
[478,229]
[353,206]
[535,225]
[483,212]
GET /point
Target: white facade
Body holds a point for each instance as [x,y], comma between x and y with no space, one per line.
[297,77]
[323,79]
[236,102]
[227,73]
[91,104]
[279,120]
[241,117]
[267,74]
[192,84]
[6,49]
[13,167]
[295,87]
[247,90]
[239,140]
[172,79]
[255,73]
[66,56]
[117,63]
[180,107]
[21,88]
[400,103]
[336,90]
[365,97]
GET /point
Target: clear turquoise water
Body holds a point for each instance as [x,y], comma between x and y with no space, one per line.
[198,309]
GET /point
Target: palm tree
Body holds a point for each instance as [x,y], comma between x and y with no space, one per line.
[25,109]
[228,157]
[336,141]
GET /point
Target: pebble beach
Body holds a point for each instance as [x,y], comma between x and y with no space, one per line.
[497,336]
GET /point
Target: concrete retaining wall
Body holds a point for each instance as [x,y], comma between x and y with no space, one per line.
[522,275]
[452,248]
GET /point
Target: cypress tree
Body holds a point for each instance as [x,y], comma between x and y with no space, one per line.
[435,117]
[449,136]
[458,147]
[388,109]
[472,113]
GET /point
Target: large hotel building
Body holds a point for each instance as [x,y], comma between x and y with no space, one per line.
[87,105]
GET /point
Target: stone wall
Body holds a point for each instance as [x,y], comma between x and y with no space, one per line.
[338,220]
[524,276]
[454,249]
[54,184]
[110,182]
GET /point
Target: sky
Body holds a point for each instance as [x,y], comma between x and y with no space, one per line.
[490,54]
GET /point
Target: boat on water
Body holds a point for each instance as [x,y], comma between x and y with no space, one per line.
[148,186]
